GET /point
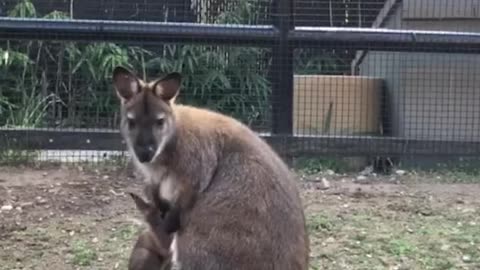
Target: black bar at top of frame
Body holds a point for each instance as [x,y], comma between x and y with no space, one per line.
[129,31]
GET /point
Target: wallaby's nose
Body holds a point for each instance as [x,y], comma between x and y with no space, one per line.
[145,153]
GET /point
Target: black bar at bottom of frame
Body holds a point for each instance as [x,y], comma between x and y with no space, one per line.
[291,146]
[129,31]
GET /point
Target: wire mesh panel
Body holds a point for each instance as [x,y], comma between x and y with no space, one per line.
[65,86]
[353,13]
[312,77]
[358,96]
[194,11]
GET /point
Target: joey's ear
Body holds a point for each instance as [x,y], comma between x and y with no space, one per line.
[140,203]
[168,87]
[126,84]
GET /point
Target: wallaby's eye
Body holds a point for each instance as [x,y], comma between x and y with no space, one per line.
[131,123]
[159,122]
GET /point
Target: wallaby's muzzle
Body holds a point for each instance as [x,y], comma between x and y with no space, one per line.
[145,153]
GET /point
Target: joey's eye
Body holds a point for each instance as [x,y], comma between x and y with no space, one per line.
[131,123]
[159,122]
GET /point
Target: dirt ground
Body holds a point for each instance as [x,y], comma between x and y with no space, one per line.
[80,218]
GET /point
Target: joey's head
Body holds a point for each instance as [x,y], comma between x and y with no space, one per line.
[147,119]
[155,219]
[152,214]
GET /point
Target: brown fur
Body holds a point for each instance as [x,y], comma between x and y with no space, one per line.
[148,254]
[246,212]
[151,251]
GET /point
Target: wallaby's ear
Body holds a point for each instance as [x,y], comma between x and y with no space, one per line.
[141,204]
[126,83]
[167,88]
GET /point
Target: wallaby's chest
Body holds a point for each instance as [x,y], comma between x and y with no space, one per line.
[166,179]
[168,188]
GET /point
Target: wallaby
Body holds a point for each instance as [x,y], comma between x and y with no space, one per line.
[240,206]
[151,251]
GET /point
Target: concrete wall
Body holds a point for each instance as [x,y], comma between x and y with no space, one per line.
[430,95]
[440,9]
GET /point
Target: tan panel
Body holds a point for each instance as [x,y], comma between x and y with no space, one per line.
[355,103]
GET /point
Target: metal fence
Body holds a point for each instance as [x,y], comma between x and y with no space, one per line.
[386,78]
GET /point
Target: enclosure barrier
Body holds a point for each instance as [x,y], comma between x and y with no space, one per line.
[268,36]
[283,38]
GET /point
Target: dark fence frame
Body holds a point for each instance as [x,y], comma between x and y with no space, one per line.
[283,38]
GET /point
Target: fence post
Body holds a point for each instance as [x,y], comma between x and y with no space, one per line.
[282,69]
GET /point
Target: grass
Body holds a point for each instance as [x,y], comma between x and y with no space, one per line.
[416,229]
[446,170]
[454,175]
[388,240]
[83,253]
[305,165]
[54,245]
[17,157]
[365,239]
[460,171]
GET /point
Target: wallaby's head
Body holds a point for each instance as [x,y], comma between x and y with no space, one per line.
[147,120]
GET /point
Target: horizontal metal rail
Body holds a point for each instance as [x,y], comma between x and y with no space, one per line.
[297,145]
[129,31]
[155,32]
[386,39]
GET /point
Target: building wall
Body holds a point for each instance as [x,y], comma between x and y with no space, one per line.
[429,95]
[440,9]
